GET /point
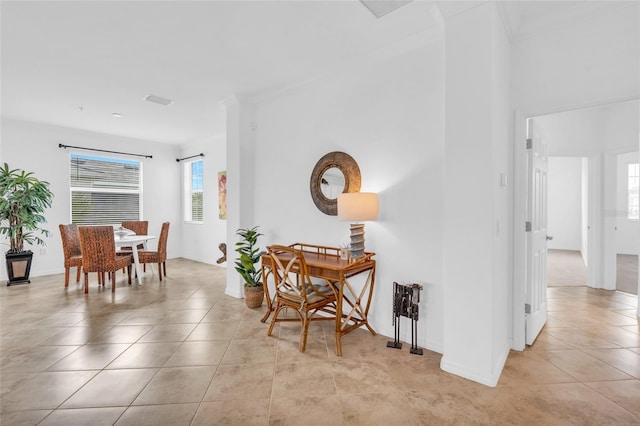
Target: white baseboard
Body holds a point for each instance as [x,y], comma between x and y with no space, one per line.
[489,379]
[405,336]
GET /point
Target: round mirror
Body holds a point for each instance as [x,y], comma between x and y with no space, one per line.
[332,183]
[335,173]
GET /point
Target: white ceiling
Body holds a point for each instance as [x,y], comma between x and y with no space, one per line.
[75,63]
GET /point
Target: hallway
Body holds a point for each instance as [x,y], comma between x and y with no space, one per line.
[566,268]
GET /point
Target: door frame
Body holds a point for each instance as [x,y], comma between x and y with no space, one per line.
[520,200]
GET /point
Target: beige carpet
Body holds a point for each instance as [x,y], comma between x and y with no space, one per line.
[627,273]
[565,268]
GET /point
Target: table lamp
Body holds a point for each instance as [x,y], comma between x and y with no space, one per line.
[357,207]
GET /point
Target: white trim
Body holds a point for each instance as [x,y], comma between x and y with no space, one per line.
[519,235]
[485,379]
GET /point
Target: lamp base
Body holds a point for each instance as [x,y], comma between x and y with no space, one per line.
[357,240]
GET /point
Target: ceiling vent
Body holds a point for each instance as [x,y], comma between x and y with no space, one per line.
[158,100]
[383,7]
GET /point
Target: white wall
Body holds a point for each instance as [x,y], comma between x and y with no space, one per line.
[502,168]
[627,230]
[584,217]
[34,147]
[477,238]
[200,241]
[591,61]
[388,115]
[565,203]
[573,133]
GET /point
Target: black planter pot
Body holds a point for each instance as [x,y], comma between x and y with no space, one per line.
[18,267]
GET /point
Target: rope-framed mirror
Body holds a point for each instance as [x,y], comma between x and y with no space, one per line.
[335,173]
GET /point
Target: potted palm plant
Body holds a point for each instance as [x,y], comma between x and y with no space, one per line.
[250,254]
[23,200]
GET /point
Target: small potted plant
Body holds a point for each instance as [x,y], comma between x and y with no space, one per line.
[23,200]
[250,254]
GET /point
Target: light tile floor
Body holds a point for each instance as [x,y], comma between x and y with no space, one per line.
[181,352]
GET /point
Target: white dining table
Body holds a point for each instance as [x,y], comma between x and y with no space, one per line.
[133,241]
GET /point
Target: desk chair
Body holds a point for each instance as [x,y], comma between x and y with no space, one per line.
[295,290]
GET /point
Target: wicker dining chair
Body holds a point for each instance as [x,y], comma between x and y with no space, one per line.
[294,289]
[99,255]
[71,249]
[140,227]
[160,255]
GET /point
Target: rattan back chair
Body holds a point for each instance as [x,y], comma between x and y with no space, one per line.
[160,255]
[71,249]
[140,227]
[99,254]
[294,289]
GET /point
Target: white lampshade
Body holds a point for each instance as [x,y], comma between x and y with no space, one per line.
[358,206]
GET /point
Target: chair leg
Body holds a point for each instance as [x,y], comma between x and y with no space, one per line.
[129,273]
[164,267]
[66,277]
[86,283]
[305,332]
[160,270]
[274,319]
[78,270]
[113,282]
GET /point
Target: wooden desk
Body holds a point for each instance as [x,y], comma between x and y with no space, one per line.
[324,262]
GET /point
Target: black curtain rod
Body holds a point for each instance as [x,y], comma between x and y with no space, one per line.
[104,150]
[186,158]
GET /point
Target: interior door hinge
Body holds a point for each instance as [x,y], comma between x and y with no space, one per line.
[527,308]
[527,226]
[529,143]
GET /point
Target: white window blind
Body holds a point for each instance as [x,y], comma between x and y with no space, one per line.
[634,191]
[104,191]
[196,177]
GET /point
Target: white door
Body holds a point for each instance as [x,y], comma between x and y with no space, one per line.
[536,289]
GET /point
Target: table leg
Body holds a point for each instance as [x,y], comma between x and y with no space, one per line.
[358,314]
[136,262]
[339,318]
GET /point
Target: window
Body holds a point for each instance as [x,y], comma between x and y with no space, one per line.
[633,191]
[104,191]
[193,172]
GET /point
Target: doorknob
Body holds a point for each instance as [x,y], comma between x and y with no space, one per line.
[549,238]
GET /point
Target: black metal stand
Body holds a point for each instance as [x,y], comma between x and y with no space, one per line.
[406,303]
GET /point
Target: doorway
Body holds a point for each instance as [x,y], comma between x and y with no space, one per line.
[567,248]
[597,135]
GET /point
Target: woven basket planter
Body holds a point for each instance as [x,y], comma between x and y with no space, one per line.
[253,296]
